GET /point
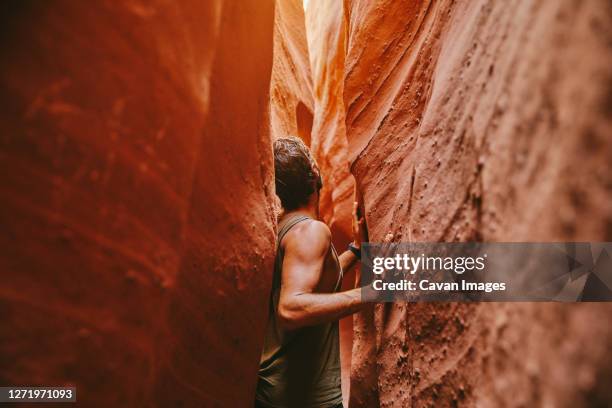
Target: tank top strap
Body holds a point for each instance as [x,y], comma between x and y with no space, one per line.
[287,225]
[340,271]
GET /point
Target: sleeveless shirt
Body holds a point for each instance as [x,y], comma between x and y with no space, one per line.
[298,368]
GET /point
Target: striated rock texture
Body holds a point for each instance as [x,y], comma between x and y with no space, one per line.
[135,169]
[327,49]
[316,114]
[326,44]
[479,120]
[291,101]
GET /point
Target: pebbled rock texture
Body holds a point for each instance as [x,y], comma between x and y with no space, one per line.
[478,120]
[136,169]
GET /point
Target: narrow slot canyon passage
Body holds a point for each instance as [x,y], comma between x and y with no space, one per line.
[138,206]
[457,121]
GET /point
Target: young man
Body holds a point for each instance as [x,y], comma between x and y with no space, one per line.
[300,362]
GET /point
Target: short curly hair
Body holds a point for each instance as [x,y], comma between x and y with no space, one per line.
[296,172]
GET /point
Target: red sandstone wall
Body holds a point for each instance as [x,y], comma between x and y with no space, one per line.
[474,120]
[291,101]
[135,170]
[316,115]
[327,43]
[136,167]
[327,49]
[480,120]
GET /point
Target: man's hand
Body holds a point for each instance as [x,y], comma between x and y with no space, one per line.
[360,231]
[360,234]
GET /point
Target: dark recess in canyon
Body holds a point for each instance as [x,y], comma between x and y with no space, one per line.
[136,171]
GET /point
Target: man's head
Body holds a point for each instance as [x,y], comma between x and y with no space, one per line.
[296,172]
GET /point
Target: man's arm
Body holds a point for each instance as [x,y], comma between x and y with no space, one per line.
[347,260]
[303,265]
[360,234]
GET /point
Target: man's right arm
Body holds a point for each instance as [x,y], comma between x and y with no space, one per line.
[303,266]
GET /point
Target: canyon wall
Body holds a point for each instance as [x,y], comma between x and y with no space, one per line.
[291,101]
[136,169]
[478,120]
[316,115]
[327,50]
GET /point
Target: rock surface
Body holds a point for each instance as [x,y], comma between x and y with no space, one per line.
[136,168]
[478,120]
[329,145]
[291,101]
[316,114]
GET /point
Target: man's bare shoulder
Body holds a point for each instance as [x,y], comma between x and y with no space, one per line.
[310,238]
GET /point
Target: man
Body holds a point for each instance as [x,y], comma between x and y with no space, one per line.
[300,362]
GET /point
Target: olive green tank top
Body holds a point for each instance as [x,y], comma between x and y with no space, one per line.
[298,368]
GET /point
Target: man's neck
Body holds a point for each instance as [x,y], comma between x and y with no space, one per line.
[310,210]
